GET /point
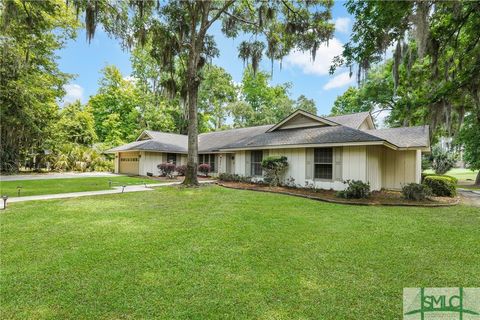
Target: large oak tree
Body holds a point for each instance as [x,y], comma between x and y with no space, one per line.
[179,34]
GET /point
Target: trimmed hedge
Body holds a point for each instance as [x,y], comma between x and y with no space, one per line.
[441,186]
[453,179]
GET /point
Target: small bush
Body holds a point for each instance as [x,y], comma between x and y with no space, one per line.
[442,161]
[356,189]
[453,179]
[181,170]
[274,167]
[441,186]
[416,191]
[204,168]
[166,169]
[232,177]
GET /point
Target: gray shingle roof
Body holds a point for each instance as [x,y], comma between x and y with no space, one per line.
[151,145]
[258,137]
[317,135]
[213,141]
[353,120]
[406,137]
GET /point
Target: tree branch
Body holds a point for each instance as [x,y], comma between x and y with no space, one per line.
[241,19]
[221,10]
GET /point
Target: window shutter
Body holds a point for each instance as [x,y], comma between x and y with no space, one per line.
[265,154]
[337,162]
[248,167]
[309,163]
[164,157]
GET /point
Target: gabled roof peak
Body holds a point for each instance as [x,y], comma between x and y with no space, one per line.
[301,119]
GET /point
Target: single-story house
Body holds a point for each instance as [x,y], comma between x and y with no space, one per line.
[324,151]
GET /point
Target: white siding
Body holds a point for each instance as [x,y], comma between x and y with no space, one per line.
[355,163]
[374,166]
[149,162]
[296,163]
[240,163]
[418,167]
[399,168]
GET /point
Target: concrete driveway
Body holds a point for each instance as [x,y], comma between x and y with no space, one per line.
[470,197]
[57,175]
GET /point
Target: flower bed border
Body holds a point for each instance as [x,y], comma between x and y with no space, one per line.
[340,201]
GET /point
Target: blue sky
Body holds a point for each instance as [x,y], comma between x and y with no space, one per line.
[308,78]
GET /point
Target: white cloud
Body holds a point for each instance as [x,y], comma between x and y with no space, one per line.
[323,58]
[339,81]
[74,92]
[342,24]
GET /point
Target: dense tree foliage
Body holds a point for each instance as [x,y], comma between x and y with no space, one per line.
[30,80]
[262,103]
[216,91]
[116,108]
[435,69]
[470,140]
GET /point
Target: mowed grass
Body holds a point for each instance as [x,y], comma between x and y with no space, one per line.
[214,253]
[466,177]
[52,186]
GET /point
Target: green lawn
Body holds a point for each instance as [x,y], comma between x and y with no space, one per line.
[214,253]
[51,186]
[462,175]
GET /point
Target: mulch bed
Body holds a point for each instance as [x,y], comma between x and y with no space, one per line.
[377,198]
[176,179]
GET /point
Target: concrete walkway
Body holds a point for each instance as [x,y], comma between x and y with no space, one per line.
[57,175]
[470,197]
[115,190]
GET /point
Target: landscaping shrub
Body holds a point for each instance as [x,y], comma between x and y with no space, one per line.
[166,169]
[204,168]
[229,177]
[416,191]
[356,189]
[442,161]
[232,177]
[181,170]
[453,179]
[441,186]
[274,168]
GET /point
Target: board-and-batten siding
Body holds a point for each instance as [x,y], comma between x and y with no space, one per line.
[150,160]
[399,168]
[374,166]
[354,163]
[300,121]
[296,163]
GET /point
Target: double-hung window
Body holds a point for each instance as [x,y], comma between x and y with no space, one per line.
[256,162]
[172,158]
[208,159]
[323,163]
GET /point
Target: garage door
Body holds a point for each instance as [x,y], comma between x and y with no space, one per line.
[129,163]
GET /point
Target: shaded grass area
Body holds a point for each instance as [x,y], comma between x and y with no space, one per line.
[53,186]
[214,253]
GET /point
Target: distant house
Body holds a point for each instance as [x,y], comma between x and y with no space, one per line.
[323,151]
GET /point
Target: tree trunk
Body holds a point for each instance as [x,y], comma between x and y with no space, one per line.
[477,180]
[192,87]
